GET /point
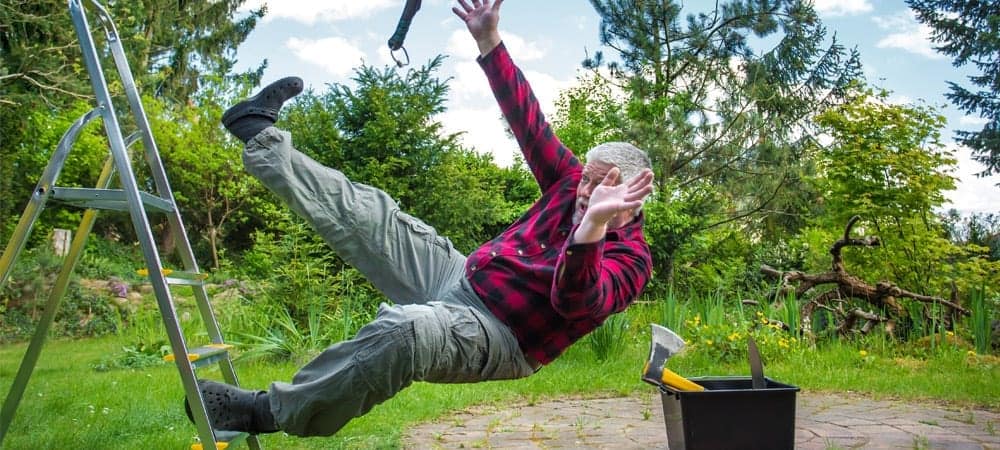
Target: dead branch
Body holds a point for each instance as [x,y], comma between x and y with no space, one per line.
[882,295]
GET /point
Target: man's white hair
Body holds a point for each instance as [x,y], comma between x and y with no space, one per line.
[629,159]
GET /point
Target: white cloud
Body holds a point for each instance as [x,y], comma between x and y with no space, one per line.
[335,55]
[472,109]
[972,194]
[973,121]
[900,99]
[842,7]
[906,34]
[326,11]
[484,130]
[461,45]
[474,112]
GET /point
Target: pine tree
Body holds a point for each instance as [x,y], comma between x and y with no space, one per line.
[969,31]
[723,101]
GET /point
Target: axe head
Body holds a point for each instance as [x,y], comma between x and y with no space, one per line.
[665,343]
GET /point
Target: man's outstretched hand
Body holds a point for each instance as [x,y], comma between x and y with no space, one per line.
[608,200]
[481,18]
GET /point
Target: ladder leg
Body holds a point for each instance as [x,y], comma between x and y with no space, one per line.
[178,230]
[40,195]
[140,222]
[30,359]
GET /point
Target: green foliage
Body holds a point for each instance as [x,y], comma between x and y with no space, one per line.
[706,120]
[176,48]
[886,164]
[136,356]
[610,338]
[173,48]
[723,337]
[286,338]
[979,229]
[886,160]
[104,259]
[29,157]
[588,114]
[970,32]
[206,174]
[981,321]
[672,313]
[383,133]
[307,300]
[82,312]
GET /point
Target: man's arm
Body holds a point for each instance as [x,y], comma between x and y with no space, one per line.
[595,278]
[548,159]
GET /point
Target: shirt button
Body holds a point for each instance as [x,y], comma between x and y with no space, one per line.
[493,253]
[569,252]
[543,246]
[473,267]
[520,252]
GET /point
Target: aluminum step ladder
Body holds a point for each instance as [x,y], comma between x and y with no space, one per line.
[138,204]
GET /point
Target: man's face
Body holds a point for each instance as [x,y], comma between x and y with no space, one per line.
[593,174]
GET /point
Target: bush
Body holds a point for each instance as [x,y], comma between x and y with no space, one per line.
[82,312]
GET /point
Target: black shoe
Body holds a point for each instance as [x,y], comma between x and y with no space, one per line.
[249,117]
[233,409]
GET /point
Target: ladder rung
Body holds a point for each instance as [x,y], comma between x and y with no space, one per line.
[178,277]
[204,355]
[113,199]
[223,440]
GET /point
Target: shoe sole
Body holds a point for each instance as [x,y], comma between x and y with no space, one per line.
[263,104]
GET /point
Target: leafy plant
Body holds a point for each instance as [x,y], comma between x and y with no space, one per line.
[285,339]
[136,356]
[672,313]
[609,338]
[980,322]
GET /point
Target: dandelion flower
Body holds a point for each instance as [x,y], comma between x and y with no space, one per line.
[863,353]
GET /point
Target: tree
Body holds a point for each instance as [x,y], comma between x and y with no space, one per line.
[172,48]
[969,31]
[383,132]
[206,173]
[887,165]
[718,109]
[884,174]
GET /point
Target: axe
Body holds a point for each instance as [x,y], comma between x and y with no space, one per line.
[665,344]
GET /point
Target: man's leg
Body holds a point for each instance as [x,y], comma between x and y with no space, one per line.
[436,342]
[402,256]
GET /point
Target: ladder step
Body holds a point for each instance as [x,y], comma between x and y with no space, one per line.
[178,277]
[113,199]
[223,440]
[204,355]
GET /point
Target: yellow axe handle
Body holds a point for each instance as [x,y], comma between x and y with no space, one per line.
[670,378]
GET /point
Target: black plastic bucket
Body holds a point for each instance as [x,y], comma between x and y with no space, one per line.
[729,414]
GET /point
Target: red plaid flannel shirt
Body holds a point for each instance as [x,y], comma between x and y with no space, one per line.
[515,273]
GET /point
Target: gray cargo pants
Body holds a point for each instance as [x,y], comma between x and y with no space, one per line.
[438,330]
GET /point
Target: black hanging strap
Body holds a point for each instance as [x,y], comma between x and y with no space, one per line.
[396,41]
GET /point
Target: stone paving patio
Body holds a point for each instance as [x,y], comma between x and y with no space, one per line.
[823,421]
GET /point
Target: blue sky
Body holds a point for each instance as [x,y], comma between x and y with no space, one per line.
[324,40]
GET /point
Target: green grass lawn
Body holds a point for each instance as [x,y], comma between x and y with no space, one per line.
[69,405]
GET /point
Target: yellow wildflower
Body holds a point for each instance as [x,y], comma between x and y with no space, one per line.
[863,353]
